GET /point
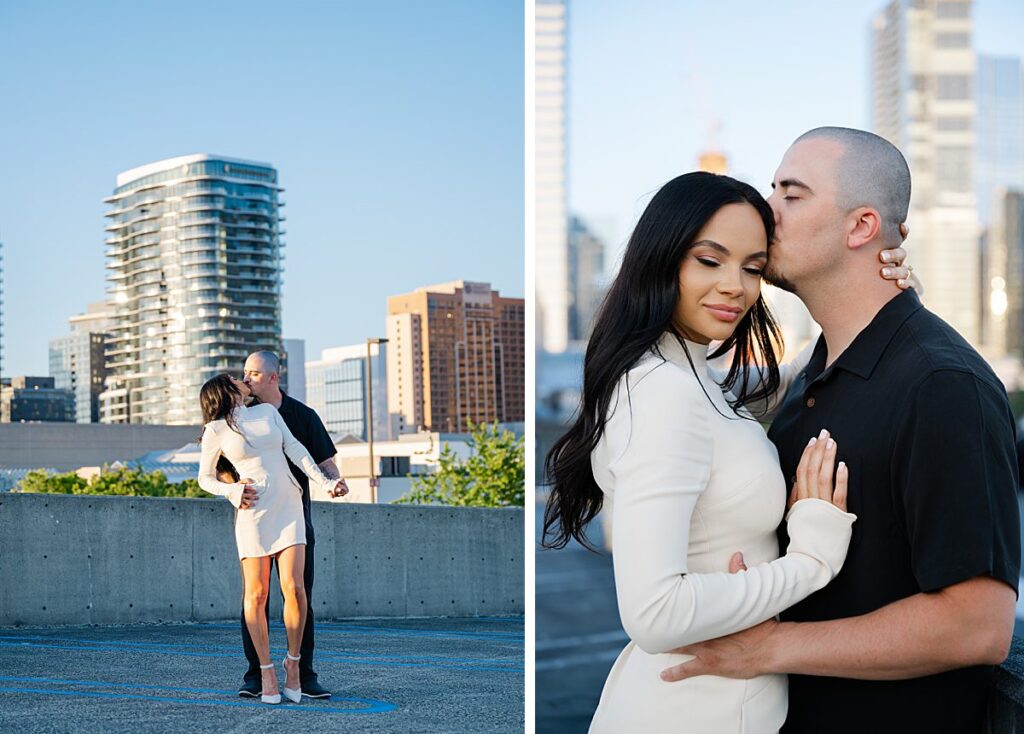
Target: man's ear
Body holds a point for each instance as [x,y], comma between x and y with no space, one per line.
[865,225]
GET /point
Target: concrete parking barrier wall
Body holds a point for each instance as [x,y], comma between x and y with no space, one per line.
[116,560]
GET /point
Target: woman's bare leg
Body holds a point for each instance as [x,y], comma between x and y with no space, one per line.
[256,581]
[291,563]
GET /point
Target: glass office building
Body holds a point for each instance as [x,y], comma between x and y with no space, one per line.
[194,263]
[336,390]
[77,365]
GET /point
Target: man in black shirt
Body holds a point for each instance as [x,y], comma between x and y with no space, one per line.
[262,377]
[905,637]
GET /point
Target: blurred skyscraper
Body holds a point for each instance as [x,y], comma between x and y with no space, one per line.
[554,292]
[1,308]
[923,101]
[78,360]
[77,365]
[456,355]
[999,183]
[1004,260]
[293,381]
[195,281]
[1000,153]
[336,389]
[586,277]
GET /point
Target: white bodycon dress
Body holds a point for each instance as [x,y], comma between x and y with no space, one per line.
[689,484]
[258,452]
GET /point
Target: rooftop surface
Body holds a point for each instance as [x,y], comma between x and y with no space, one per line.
[387,675]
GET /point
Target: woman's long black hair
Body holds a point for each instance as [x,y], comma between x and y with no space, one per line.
[636,312]
[217,398]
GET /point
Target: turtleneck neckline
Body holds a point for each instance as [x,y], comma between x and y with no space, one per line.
[672,350]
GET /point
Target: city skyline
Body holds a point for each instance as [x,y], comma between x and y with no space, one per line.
[388,142]
[640,117]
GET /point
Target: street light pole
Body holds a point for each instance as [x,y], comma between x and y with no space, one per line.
[369,410]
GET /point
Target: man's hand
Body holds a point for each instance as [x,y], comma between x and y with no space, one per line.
[706,658]
[340,489]
[740,655]
[249,495]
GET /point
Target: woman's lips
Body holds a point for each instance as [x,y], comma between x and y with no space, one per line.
[729,314]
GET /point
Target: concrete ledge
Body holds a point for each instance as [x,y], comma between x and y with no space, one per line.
[118,560]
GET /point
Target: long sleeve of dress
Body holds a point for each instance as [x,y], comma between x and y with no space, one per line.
[210,450]
[661,443]
[301,457]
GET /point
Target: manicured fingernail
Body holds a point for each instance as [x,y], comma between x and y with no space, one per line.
[842,466]
[823,434]
[901,282]
[830,444]
[887,272]
[814,440]
[886,257]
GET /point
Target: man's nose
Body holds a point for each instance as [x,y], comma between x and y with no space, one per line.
[773,202]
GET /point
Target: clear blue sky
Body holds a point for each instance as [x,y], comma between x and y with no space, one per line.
[396,127]
[647,77]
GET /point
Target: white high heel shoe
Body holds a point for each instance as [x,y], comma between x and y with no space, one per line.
[276,698]
[292,694]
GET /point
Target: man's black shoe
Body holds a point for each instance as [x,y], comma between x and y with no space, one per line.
[313,689]
[251,689]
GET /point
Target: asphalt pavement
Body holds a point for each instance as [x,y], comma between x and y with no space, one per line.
[387,675]
[578,633]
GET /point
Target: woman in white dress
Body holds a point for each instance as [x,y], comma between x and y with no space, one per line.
[256,440]
[690,475]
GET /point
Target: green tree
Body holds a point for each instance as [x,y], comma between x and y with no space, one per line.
[40,481]
[494,475]
[120,481]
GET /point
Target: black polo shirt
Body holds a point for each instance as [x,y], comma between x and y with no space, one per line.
[307,427]
[926,430]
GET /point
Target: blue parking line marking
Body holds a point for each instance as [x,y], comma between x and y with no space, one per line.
[149,647]
[375,707]
[400,632]
[329,656]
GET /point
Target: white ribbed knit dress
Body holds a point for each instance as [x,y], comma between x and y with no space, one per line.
[258,451]
[689,485]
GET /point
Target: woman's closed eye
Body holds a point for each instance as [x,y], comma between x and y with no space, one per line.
[754,270]
[710,262]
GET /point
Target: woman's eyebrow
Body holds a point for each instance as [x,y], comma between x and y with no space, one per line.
[725,250]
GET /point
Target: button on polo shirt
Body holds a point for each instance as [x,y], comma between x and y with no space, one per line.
[926,430]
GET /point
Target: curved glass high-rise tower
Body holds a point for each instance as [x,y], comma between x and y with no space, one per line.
[194,264]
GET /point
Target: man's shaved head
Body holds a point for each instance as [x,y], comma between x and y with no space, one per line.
[268,360]
[870,172]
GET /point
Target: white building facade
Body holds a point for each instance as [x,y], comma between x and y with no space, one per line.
[554,291]
[194,264]
[923,101]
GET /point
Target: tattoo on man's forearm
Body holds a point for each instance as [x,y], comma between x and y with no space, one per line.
[329,468]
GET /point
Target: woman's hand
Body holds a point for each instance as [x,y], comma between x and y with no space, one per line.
[249,495]
[894,269]
[340,489]
[814,474]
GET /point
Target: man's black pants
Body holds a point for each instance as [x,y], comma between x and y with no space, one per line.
[306,651]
